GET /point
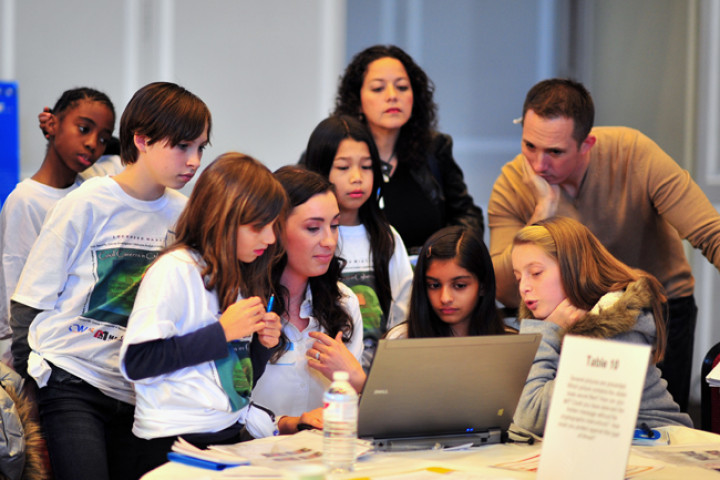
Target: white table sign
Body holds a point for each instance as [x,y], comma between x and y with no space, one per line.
[713,378]
[593,410]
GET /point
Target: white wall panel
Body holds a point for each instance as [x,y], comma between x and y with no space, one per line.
[268,70]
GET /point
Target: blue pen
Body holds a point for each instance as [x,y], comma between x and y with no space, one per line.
[200,463]
[268,309]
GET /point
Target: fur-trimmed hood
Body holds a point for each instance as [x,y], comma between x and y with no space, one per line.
[619,312]
[22,448]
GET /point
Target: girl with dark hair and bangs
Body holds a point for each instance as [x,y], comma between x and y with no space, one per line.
[201,332]
[453,296]
[378,268]
[320,315]
[453,289]
[388,92]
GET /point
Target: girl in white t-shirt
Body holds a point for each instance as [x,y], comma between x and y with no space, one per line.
[200,331]
[378,268]
[314,305]
[78,129]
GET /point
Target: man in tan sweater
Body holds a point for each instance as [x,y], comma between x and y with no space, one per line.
[624,188]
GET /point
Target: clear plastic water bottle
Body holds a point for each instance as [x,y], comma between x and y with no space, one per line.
[340,414]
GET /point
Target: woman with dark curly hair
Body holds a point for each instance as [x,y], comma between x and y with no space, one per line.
[424,189]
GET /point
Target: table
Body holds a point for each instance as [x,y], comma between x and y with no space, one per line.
[475,460]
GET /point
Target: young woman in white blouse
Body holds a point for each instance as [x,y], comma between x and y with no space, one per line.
[312,303]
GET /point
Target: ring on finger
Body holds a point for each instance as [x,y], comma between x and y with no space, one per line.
[317,355]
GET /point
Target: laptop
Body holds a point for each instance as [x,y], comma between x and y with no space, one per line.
[425,393]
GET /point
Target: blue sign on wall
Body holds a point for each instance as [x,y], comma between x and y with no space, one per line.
[9,139]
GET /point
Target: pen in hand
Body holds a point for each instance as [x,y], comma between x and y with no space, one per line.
[269,336]
[268,309]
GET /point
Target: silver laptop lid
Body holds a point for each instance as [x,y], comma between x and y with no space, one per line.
[424,387]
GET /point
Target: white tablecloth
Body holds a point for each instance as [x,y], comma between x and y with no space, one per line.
[475,460]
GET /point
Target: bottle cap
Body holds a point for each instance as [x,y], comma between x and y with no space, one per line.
[340,375]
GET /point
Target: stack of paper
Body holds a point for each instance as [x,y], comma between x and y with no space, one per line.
[189,454]
[274,452]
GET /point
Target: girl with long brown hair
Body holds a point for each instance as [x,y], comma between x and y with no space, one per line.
[199,334]
[571,284]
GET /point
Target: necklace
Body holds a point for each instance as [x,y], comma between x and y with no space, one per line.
[386,167]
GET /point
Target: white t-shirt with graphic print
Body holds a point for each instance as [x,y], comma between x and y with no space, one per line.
[84,272]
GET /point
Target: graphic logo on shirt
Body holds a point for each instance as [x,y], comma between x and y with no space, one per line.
[118,272]
[374,321]
[105,332]
[236,373]
[363,285]
[369,308]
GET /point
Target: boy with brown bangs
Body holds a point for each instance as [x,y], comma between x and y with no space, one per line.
[74,297]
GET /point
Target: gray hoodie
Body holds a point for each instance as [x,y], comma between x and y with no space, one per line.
[622,316]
